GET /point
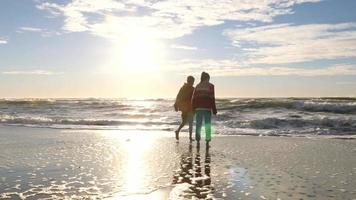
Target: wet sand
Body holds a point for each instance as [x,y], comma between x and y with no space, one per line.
[68,164]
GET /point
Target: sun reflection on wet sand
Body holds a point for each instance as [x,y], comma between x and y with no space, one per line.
[136,167]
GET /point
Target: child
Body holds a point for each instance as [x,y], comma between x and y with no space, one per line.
[184,103]
[203,103]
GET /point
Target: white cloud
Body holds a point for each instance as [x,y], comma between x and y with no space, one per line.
[234,68]
[30,72]
[42,32]
[286,43]
[52,8]
[162,19]
[184,47]
[3,41]
[30,29]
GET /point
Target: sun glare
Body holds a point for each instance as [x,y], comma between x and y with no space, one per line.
[140,54]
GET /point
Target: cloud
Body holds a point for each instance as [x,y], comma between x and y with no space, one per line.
[30,29]
[162,19]
[234,68]
[31,72]
[286,43]
[42,32]
[53,8]
[184,47]
[3,41]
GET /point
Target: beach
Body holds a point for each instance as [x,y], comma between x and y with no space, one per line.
[104,99]
[40,163]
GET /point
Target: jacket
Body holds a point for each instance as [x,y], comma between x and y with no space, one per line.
[204,96]
[184,98]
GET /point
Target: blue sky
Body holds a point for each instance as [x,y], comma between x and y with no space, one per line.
[140,48]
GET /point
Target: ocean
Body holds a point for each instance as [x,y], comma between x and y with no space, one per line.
[236,116]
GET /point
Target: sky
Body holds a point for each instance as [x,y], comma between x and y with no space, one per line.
[146,48]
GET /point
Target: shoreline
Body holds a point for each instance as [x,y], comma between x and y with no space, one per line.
[168,132]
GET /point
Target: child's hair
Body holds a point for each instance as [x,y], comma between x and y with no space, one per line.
[204,76]
[190,79]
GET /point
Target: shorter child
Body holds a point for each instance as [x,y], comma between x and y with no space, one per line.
[184,103]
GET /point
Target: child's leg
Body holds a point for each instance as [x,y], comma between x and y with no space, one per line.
[184,121]
[207,119]
[181,125]
[199,120]
[191,117]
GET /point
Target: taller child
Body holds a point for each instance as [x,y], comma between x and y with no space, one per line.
[203,102]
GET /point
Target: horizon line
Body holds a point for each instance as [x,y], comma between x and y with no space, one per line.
[156,98]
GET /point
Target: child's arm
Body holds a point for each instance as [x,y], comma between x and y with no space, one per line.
[214,105]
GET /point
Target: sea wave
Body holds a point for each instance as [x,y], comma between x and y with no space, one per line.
[22,102]
[47,122]
[342,106]
[239,115]
[334,107]
[340,124]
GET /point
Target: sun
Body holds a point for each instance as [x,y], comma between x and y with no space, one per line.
[140,54]
[136,63]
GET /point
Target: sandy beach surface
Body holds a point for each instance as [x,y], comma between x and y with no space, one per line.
[40,163]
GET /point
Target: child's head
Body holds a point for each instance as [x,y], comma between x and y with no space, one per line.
[190,80]
[204,76]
